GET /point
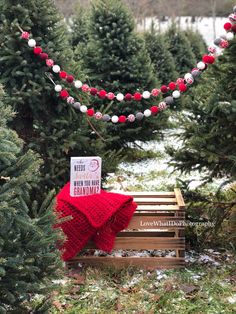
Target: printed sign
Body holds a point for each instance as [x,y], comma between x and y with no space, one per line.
[85,176]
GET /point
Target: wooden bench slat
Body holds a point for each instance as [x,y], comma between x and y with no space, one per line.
[152,201]
[146,243]
[156,207]
[179,198]
[152,194]
[119,262]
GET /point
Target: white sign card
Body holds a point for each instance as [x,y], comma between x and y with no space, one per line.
[85,176]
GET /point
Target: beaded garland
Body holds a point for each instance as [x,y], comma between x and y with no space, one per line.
[178,87]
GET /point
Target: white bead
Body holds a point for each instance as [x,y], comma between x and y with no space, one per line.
[115,119]
[147,113]
[187,76]
[31,43]
[70,100]
[229,36]
[146,94]
[78,84]
[120,97]
[58,88]
[201,65]
[176,94]
[83,108]
[56,68]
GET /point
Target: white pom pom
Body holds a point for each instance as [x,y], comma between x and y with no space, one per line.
[176,94]
[201,65]
[114,119]
[131,118]
[146,94]
[56,68]
[83,108]
[32,43]
[229,36]
[147,113]
[78,84]
[120,97]
[58,88]
[70,100]
[187,76]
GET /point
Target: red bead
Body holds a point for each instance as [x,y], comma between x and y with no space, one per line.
[122,119]
[90,112]
[49,63]
[172,86]
[182,87]
[154,110]
[128,97]
[164,89]
[63,74]
[180,81]
[70,78]
[43,56]
[227,26]
[25,35]
[110,96]
[37,50]
[155,92]
[93,91]
[208,59]
[102,93]
[234,28]
[64,94]
[137,96]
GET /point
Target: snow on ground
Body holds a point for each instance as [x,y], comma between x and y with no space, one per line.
[203,24]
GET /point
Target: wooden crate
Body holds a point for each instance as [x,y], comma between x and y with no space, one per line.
[157,224]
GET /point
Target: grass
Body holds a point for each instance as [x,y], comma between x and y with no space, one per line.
[197,289]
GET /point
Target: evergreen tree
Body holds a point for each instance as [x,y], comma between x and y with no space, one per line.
[28,257]
[197,43]
[209,141]
[164,65]
[48,125]
[181,50]
[116,60]
[79,27]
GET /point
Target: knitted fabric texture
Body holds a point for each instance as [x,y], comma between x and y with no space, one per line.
[97,217]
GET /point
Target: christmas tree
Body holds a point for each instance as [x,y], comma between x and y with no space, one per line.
[28,257]
[47,124]
[164,65]
[197,43]
[181,50]
[209,140]
[116,61]
[79,27]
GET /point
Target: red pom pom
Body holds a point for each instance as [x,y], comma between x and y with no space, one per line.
[154,110]
[227,26]
[182,87]
[25,35]
[102,93]
[128,97]
[137,96]
[64,94]
[90,112]
[234,28]
[164,89]
[37,50]
[172,86]
[122,119]
[180,81]
[93,91]
[208,59]
[70,78]
[43,56]
[63,74]
[155,92]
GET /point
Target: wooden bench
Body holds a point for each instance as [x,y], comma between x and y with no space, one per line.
[157,224]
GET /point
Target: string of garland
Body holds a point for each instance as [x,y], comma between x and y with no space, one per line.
[182,83]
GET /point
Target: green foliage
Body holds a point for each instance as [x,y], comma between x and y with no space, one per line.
[180,48]
[79,27]
[197,43]
[48,125]
[209,128]
[28,256]
[162,60]
[116,60]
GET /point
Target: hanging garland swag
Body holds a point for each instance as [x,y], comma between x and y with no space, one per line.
[180,86]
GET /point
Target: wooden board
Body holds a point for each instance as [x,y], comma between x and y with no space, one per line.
[155,201]
[121,262]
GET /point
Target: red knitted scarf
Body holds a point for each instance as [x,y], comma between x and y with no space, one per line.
[97,217]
